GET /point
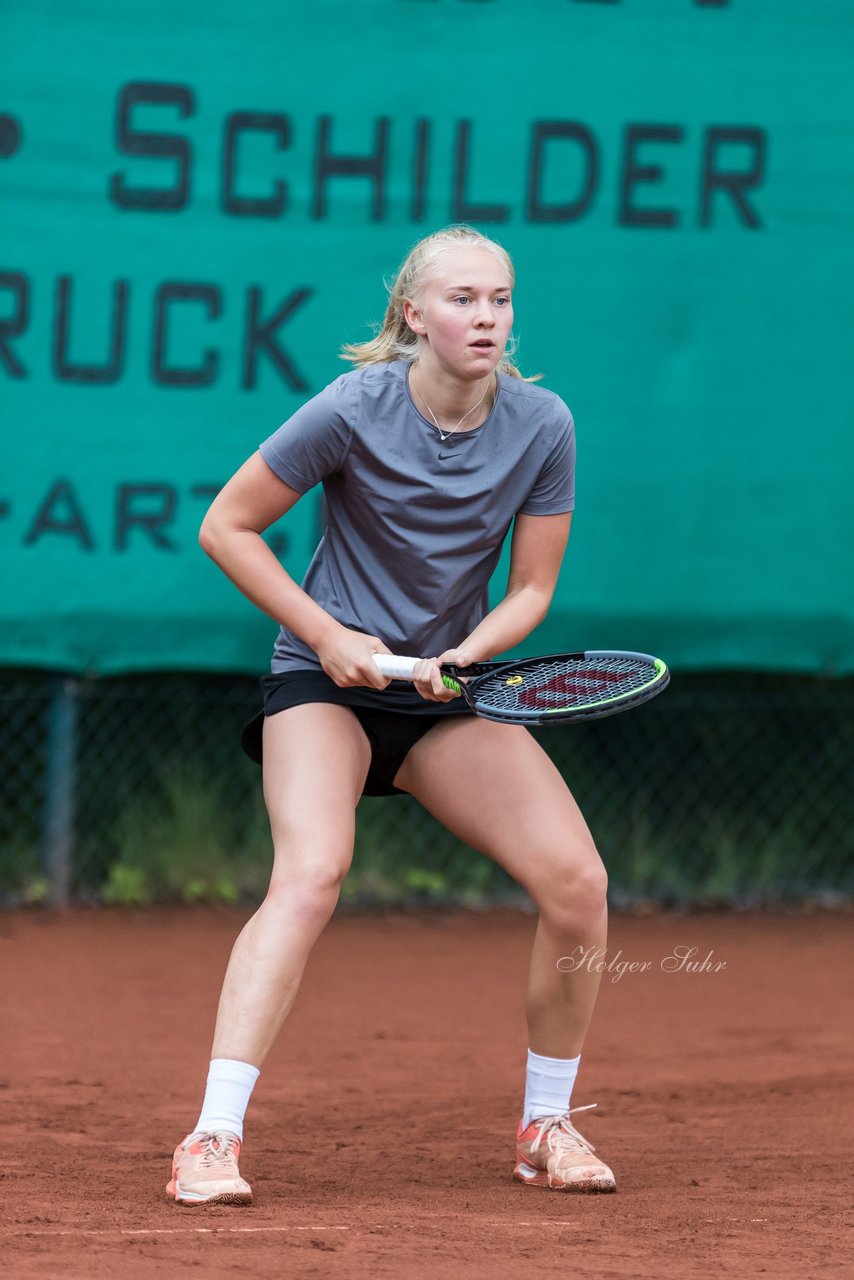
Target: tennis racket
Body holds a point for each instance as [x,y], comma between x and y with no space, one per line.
[552,690]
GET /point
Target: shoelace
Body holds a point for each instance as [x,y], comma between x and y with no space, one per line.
[563,1138]
[218,1149]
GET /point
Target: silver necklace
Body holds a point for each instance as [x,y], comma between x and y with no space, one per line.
[444,435]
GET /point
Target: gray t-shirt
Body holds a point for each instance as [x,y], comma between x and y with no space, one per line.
[414,525]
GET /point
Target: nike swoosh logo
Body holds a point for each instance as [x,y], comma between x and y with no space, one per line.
[443,457]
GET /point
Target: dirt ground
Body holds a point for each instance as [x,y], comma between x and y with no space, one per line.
[380,1137]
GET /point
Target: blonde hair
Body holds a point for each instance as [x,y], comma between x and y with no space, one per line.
[395,340]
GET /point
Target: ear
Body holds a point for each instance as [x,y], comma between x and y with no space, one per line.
[413,317]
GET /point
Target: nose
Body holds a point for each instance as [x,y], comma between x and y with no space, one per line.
[484,317]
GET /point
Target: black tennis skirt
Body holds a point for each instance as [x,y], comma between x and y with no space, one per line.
[393,718]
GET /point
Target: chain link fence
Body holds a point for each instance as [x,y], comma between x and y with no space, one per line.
[730,788]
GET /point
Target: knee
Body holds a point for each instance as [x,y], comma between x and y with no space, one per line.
[307,895]
[573,897]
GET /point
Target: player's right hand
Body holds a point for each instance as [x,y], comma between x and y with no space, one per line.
[347,657]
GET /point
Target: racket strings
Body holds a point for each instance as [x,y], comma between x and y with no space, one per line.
[564,685]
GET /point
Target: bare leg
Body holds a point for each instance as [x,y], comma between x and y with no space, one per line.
[494,787]
[315,761]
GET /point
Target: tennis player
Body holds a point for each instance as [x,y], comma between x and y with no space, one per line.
[428,452]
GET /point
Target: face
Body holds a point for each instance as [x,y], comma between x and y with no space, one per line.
[465,313]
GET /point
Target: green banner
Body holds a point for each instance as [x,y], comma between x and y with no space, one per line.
[199,204]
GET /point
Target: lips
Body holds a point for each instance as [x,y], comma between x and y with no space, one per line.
[483,344]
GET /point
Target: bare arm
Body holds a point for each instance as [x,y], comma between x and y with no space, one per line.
[253,499]
[536,553]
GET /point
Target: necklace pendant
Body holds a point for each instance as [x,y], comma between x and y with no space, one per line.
[456,427]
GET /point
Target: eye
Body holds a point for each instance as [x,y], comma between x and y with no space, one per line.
[462,298]
[502,302]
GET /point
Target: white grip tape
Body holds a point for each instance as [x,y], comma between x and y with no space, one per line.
[397,668]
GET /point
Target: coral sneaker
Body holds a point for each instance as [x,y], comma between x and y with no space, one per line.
[552,1153]
[204,1171]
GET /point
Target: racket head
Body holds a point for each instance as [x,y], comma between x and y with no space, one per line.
[586,685]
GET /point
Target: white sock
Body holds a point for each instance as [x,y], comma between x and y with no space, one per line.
[548,1086]
[227,1095]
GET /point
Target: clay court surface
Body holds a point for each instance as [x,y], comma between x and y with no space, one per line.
[380,1138]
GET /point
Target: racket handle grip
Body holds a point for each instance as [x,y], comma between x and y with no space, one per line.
[395,667]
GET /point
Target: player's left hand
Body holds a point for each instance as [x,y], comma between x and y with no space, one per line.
[428,675]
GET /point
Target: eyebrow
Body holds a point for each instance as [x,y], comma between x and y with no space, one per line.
[470,288]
